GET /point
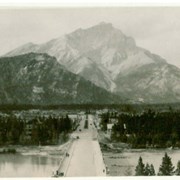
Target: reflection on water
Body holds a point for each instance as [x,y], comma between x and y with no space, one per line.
[27,165]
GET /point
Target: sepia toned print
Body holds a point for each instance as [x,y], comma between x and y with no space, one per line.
[88,92]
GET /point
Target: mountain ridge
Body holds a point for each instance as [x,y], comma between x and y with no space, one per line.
[39,79]
[107,57]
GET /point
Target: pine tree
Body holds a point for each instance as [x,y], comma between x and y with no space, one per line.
[152,171]
[178,169]
[166,168]
[140,169]
[147,170]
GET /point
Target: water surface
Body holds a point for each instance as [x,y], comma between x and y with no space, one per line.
[123,164]
[18,165]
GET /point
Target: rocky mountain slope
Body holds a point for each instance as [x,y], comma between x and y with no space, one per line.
[153,84]
[39,79]
[111,60]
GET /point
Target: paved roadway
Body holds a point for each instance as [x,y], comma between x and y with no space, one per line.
[85,155]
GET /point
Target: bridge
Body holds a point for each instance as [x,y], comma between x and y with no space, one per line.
[84,157]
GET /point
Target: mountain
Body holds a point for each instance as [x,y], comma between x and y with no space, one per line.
[39,79]
[153,83]
[111,60]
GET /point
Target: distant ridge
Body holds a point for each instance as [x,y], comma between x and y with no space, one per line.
[39,79]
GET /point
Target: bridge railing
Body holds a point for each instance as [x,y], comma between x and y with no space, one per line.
[58,172]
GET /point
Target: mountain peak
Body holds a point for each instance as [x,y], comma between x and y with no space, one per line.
[102,26]
[105,24]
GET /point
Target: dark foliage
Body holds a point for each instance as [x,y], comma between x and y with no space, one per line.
[149,170]
[148,129]
[177,172]
[41,130]
[166,168]
[140,168]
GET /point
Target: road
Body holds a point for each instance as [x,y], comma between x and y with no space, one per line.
[85,155]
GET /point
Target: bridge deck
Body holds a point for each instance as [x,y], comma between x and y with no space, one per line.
[85,157]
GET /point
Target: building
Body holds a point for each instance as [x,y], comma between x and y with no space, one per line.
[109,128]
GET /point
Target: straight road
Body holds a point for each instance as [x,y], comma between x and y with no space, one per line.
[85,155]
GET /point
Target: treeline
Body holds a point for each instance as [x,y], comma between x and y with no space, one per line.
[166,168]
[131,108]
[39,130]
[84,107]
[148,129]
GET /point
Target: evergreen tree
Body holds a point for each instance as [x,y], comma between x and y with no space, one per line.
[140,168]
[152,171]
[147,170]
[178,169]
[166,168]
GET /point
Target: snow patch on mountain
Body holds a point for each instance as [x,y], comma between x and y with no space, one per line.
[60,48]
[79,64]
[91,71]
[130,64]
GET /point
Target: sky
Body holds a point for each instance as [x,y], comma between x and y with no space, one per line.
[154,28]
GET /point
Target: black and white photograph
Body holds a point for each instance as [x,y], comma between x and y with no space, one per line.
[89,91]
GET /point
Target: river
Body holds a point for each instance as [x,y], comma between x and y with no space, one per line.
[42,162]
[124,163]
[31,161]
[27,165]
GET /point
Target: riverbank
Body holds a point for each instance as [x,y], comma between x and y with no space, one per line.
[38,150]
[124,163]
[121,159]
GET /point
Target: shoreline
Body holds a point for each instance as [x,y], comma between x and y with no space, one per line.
[123,163]
[37,150]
